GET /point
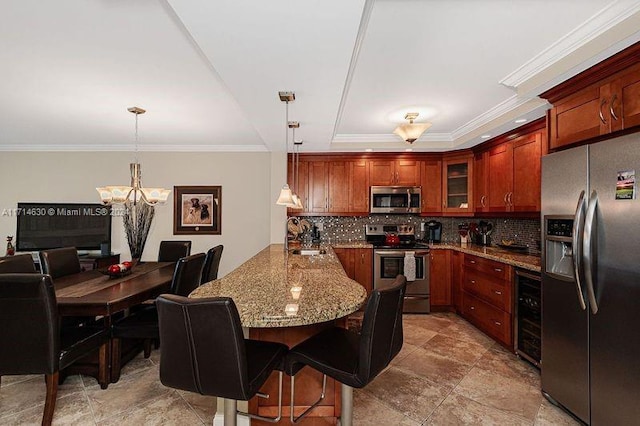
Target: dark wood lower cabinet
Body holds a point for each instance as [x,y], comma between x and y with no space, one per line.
[440,278]
[486,291]
[358,264]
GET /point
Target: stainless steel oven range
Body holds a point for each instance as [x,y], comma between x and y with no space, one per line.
[389,259]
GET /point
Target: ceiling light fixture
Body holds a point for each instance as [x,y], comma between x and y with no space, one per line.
[411,131]
[286,195]
[485,136]
[520,120]
[135,192]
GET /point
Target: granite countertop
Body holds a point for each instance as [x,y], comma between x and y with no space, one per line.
[262,289]
[520,260]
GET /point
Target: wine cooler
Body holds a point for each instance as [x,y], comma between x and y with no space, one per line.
[528,316]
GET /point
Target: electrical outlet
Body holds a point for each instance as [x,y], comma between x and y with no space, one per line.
[422,227]
[320,226]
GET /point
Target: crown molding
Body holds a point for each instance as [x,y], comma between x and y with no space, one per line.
[374,138]
[129,148]
[601,22]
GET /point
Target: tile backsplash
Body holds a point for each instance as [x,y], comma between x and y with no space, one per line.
[351,228]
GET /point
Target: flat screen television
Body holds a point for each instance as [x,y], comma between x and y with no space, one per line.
[43,226]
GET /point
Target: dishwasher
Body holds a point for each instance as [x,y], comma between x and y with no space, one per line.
[528,327]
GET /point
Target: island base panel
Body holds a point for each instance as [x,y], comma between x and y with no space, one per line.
[308,382]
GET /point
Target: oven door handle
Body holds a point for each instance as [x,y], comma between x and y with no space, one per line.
[400,253]
[390,253]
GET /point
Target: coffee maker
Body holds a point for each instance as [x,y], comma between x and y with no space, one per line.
[433,231]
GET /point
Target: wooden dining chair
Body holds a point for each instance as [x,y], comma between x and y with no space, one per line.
[32,339]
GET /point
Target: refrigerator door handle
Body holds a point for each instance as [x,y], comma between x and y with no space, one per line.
[578,225]
[588,252]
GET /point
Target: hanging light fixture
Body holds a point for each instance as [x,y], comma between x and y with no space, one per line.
[296,158]
[411,131]
[286,195]
[135,192]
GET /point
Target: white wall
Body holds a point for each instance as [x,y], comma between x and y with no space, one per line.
[247,193]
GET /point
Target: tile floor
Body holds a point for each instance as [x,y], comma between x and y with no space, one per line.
[448,373]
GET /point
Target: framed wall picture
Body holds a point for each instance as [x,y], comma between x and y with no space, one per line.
[197,210]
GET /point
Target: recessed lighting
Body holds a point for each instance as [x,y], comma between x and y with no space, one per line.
[485,136]
[409,149]
[520,120]
[369,150]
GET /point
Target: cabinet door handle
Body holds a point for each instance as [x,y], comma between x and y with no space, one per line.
[498,323]
[472,261]
[473,281]
[506,194]
[482,199]
[510,199]
[603,103]
[473,308]
[497,269]
[499,293]
[326,203]
[613,101]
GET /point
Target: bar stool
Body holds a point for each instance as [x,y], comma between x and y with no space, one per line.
[203,350]
[351,359]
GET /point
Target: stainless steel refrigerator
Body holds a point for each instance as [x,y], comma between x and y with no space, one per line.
[591,281]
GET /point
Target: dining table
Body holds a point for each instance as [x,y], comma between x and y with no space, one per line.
[96,294]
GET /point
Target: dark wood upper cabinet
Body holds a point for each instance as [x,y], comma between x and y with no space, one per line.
[431,183]
[480,177]
[527,152]
[401,172]
[457,184]
[596,103]
[359,187]
[500,182]
[318,187]
[338,190]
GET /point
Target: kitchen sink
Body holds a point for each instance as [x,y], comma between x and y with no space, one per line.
[308,252]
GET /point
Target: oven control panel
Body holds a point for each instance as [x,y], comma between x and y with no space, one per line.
[386,229]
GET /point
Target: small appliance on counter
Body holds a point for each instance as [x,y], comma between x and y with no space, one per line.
[482,232]
[433,232]
[463,230]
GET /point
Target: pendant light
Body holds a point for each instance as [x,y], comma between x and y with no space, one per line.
[135,192]
[411,131]
[296,199]
[286,195]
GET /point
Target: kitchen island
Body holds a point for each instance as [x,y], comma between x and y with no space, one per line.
[286,297]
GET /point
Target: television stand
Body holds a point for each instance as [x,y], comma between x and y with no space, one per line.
[96,261]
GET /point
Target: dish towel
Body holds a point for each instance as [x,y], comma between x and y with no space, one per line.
[410,265]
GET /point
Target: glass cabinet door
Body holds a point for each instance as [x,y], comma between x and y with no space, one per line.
[457,185]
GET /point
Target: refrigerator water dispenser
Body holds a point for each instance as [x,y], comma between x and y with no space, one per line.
[559,246]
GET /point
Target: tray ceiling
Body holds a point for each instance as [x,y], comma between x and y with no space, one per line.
[208,72]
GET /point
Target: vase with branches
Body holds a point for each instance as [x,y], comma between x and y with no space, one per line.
[137,222]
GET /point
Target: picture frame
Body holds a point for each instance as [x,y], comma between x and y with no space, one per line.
[197,210]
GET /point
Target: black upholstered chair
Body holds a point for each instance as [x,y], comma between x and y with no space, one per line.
[353,359]
[172,251]
[203,350]
[143,323]
[32,340]
[212,264]
[60,262]
[19,264]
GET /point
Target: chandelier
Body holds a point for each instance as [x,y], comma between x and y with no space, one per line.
[135,191]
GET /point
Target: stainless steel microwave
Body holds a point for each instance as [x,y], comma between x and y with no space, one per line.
[395,199]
